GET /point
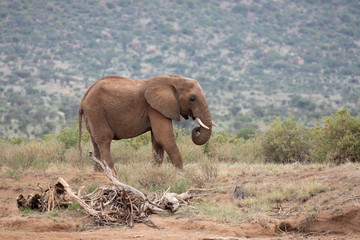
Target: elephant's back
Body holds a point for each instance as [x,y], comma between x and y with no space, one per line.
[113,82]
[114,78]
[117,102]
[110,86]
[113,94]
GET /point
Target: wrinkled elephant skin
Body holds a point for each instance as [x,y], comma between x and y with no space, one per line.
[118,108]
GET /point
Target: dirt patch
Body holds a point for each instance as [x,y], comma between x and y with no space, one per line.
[342,221]
[40,224]
[334,213]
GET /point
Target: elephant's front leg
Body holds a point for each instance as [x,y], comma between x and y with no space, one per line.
[157,149]
[163,135]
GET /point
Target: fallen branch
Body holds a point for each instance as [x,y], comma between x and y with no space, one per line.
[76,198]
[116,204]
[170,200]
[51,198]
[116,182]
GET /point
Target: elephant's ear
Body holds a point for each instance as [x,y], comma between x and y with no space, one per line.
[162,96]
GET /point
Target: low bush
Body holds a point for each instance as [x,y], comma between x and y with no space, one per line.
[69,136]
[140,141]
[246,132]
[336,139]
[284,142]
[224,137]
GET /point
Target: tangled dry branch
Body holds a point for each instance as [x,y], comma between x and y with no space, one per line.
[116,204]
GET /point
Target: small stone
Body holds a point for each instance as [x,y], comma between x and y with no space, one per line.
[240,192]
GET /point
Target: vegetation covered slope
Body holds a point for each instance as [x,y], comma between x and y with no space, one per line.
[255,59]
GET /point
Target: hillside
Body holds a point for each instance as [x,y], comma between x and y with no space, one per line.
[254,59]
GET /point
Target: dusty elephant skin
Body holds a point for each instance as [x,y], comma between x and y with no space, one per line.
[117,108]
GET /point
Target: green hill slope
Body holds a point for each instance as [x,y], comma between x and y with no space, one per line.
[254,59]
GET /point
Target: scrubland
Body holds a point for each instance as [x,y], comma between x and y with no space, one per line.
[285,181]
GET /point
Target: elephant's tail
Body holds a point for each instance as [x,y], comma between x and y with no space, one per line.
[81,112]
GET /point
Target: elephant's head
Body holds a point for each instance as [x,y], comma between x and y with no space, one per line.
[173,96]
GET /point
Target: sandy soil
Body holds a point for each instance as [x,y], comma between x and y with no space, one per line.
[338,216]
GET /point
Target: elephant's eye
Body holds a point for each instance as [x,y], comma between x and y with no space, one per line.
[192,99]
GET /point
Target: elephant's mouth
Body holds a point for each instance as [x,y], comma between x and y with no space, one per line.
[191,115]
[188,114]
[198,120]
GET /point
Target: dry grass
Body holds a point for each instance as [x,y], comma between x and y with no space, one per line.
[264,196]
[37,154]
[211,210]
[219,167]
[265,192]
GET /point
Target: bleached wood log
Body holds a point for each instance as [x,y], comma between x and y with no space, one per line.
[154,208]
[77,199]
[147,204]
[116,182]
[137,205]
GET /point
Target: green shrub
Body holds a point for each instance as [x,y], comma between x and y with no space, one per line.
[285,142]
[69,137]
[16,140]
[224,137]
[139,141]
[246,132]
[249,151]
[336,139]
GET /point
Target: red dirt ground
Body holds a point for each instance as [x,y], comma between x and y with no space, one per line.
[338,216]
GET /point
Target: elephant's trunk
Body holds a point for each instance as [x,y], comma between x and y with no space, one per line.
[200,135]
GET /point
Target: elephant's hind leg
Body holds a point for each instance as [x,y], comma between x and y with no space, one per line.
[158,150]
[96,154]
[104,147]
[101,142]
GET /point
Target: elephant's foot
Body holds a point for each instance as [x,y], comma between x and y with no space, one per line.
[179,165]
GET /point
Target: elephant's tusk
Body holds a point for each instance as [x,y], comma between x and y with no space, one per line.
[214,124]
[201,123]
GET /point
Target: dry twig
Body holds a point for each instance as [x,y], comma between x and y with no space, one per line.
[116,204]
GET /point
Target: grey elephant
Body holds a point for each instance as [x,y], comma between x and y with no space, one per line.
[118,108]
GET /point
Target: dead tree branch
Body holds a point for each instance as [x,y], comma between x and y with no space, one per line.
[116,204]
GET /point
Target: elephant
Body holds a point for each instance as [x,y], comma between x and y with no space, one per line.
[116,108]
